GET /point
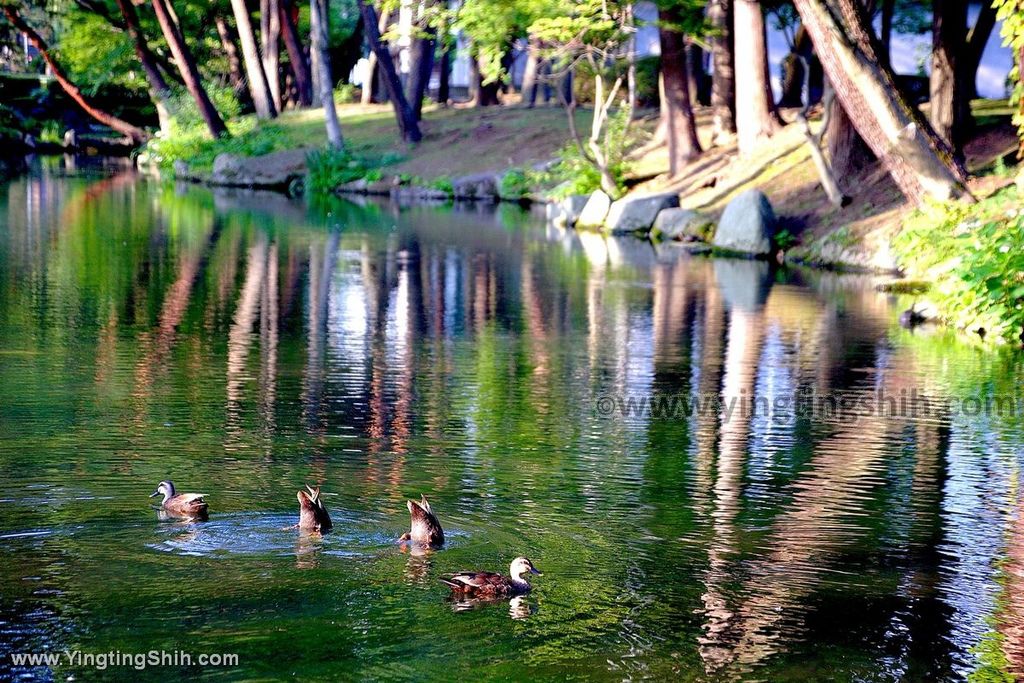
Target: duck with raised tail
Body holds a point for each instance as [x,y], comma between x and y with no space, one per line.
[492,584]
[186,505]
[424,530]
[312,513]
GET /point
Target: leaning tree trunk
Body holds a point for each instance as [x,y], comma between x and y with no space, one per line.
[847,151]
[318,44]
[159,91]
[420,68]
[187,66]
[134,132]
[270,39]
[755,111]
[676,112]
[949,107]
[370,80]
[723,83]
[408,127]
[257,79]
[235,74]
[919,162]
[296,55]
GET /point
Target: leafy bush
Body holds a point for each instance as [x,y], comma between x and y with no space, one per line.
[348,93]
[514,184]
[973,255]
[329,168]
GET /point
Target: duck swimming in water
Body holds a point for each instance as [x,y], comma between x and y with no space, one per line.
[425,529]
[312,513]
[491,584]
[188,505]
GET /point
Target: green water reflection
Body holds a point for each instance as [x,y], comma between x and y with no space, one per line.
[244,344]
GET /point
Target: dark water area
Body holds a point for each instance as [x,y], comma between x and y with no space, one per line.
[246,344]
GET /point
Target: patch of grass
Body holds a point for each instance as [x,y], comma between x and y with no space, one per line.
[904,287]
[972,252]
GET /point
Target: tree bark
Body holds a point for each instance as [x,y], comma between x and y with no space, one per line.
[918,161]
[230,47]
[408,127]
[755,111]
[371,62]
[949,107]
[723,83]
[847,150]
[134,132]
[676,112]
[420,69]
[694,71]
[318,44]
[257,79]
[486,94]
[529,97]
[270,39]
[187,66]
[159,91]
[444,76]
[296,55]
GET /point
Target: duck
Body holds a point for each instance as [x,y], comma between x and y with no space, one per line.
[312,513]
[425,529]
[492,584]
[188,505]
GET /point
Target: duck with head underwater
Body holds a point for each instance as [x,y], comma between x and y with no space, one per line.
[186,505]
[312,513]
[492,584]
[424,530]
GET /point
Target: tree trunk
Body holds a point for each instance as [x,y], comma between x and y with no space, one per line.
[296,55]
[486,93]
[257,79]
[977,39]
[371,62]
[694,71]
[135,133]
[949,108]
[444,76]
[187,66]
[230,47]
[408,127]
[270,39]
[888,13]
[318,45]
[159,91]
[847,150]
[420,68]
[529,98]
[919,162]
[676,112]
[755,110]
[723,84]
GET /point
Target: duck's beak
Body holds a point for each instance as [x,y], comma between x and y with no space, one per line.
[534,570]
[155,494]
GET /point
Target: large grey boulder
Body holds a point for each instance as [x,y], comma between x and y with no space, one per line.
[637,213]
[476,186]
[747,224]
[279,169]
[594,211]
[681,224]
[566,212]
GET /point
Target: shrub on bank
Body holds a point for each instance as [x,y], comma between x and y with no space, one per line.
[974,256]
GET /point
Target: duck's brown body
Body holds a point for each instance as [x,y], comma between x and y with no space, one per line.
[185,505]
[312,513]
[492,584]
[424,528]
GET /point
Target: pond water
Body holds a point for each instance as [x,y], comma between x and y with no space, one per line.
[244,344]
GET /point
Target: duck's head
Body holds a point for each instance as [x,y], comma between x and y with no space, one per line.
[165,489]
[520,566]
[312,513]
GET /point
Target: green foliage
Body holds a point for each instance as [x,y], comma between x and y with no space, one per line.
[784,239]
[514,184]
[329,168]
[1011,13]
[575,174]
[52,132]
[95,53]
[347,93]
[973,255]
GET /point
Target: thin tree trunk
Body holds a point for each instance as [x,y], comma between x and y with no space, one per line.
[270,39]
[825,172]
[888,13]
[529,98]
[977,39]
[408,127]
[847,150]
[919,162]
[694,71]
[371,61]
[444,76]
[230,47]
[723,83]
[949,108]
[676,112]
[318,45]
[159,91]
[755,110]
[422,65]
[134,132]
[255,75]
[187,66]
[296,55]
